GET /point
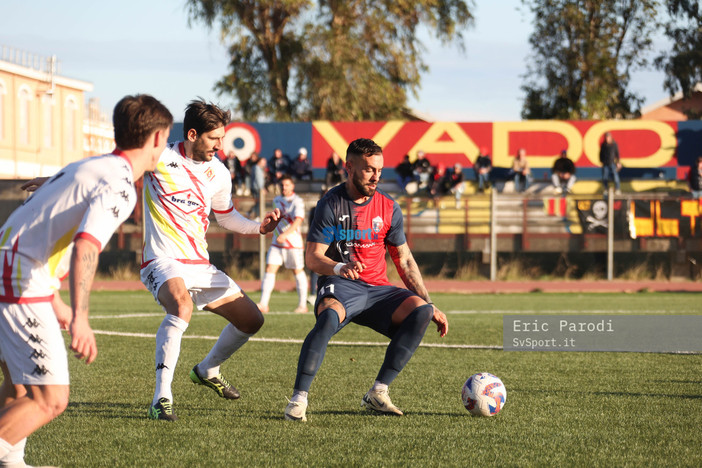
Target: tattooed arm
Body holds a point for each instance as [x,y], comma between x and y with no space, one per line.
[409,272]
[83,266]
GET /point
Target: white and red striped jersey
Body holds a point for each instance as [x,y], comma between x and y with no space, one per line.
[87,199]
[290,208]
[178,197]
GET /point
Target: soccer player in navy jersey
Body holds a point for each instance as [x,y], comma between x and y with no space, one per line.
[353,226]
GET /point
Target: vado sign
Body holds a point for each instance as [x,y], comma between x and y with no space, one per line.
[642,143]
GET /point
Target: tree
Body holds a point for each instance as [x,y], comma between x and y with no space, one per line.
[683,63]
[330,59]
[583,54]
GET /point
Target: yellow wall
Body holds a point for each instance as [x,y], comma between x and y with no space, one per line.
[33,158]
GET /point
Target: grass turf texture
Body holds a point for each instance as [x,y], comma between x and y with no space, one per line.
[563,408]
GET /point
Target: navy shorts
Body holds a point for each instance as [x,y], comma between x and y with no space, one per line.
[367,305]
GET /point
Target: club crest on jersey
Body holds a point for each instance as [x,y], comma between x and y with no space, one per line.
[209,173]
[185,201]
[377,224]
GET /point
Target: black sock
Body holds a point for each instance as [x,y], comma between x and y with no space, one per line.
[314,347]
[405,343]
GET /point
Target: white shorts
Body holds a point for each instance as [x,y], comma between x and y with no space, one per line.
[293,258]
[31,344]
[205,283]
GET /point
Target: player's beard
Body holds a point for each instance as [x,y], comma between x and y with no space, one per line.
[200,151]
[362,187]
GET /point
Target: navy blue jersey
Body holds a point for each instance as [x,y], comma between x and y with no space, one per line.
[358,232]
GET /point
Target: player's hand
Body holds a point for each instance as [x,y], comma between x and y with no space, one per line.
[83,340]
[33,184]
[63,312]
[352,270]
[270,221]
[441,322]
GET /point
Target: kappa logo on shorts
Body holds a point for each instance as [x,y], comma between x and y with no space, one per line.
[41,370]
[32,323]
[161,366]
[35,339]
[38,354]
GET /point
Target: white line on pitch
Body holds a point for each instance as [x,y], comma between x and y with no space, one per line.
[298,341]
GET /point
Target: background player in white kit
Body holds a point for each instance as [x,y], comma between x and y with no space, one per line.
[287,247]
[179,194]
[61,229]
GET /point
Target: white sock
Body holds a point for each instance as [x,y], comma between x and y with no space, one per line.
[5,448]
[228,342]
[301,286]
[168,340]
[267,285]
[15,457]
[299,396]
[379,386]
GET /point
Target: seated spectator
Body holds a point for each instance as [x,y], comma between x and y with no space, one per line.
[448,181]
[694,178]
[483,167]
[563,173]
[278,166]
[335,171]
[520,172]
[404,172]
[423,171]
[300,168]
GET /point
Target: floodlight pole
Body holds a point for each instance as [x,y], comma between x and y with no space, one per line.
[610,233]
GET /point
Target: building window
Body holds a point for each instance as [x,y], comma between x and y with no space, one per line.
[71,118]
[48,110]
[24,97]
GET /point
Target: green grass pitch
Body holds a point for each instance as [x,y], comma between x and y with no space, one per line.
[563,408]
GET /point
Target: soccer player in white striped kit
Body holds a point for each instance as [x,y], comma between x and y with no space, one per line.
[59,231]
[188,183]
[287,247]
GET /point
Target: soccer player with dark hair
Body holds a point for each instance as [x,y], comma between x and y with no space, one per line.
[187,184]
[354,224]
[59,231]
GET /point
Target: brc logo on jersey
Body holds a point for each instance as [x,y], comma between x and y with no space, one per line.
[209,173]
[186,201]
[339,233]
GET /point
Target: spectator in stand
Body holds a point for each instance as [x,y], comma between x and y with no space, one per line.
[423,171]
[234,166]
[278,166]
[404,172]
[563,173]
[301,168]
[695,178]
[258,183]
[520,172]
[249,172]
[335,171]
[609,157]
[448,180]
[483,167]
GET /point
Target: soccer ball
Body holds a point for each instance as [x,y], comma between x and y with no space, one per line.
[484,394]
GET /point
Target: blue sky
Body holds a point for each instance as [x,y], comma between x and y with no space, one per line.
[126,47]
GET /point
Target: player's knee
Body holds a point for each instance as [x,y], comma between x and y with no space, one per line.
[421,316]
[51,402]
[327,321]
